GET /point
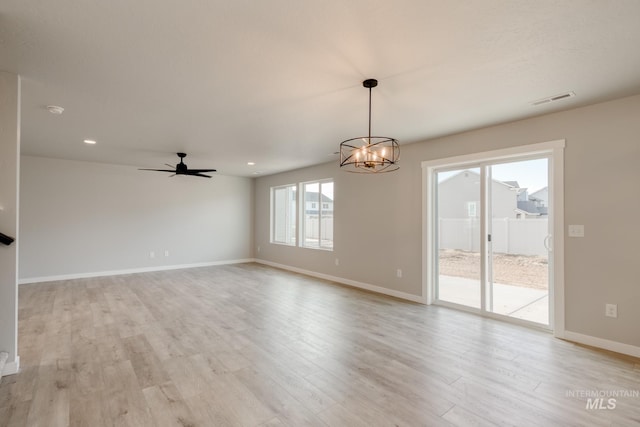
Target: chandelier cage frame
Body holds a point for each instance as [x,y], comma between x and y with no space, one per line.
[377,154]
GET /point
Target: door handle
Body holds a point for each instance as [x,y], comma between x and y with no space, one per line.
[547,241]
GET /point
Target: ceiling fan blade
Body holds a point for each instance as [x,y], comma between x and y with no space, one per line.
[159,170]
[198,174]
[201,170]
[167,164]
[171,176]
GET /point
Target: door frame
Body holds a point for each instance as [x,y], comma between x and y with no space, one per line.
[555,151]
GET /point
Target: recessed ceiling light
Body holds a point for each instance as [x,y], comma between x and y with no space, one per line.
[89,141]
[55,109]
[251,163]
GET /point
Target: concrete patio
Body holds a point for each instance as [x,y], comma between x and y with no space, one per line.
[509,300]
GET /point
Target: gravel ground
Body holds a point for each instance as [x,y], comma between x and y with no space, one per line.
[517,270]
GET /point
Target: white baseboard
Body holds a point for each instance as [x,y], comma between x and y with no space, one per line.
[618,347]
[348,282]
[11,368]
[129,271]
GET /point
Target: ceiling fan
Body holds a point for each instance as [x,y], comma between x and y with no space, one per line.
[181,169]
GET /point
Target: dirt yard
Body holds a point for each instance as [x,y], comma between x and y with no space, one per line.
[517,270]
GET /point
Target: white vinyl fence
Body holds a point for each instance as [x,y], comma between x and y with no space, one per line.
[311,230]
[509,236]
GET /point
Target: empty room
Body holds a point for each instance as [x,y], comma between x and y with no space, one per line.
[337,213]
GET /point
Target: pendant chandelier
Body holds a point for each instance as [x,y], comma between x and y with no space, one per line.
[370,154]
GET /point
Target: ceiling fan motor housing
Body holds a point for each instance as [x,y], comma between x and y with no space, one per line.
[181,167]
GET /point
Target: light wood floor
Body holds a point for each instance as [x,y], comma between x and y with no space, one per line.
[247,345]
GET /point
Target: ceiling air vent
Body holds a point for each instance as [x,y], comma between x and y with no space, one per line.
[554,98]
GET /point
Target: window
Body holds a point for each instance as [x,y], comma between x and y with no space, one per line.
[283,214]
[472,209]
[317,225]
[315,201]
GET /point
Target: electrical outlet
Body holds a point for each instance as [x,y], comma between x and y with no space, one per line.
[152,254]
[337,261]
[166,252]
[611,310]
[399,273]
[258,248]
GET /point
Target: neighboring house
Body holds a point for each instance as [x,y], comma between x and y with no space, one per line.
[535,205]
[459,197]
[522,193]
[312,204]
[541,197]
[518,225]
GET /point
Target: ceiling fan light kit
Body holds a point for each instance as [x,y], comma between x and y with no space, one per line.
[370,154]
[182,169]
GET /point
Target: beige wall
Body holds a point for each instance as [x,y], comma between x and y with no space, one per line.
[82,218]
[601,191]
[9,170]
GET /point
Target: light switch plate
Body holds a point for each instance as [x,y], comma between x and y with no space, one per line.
[576,231]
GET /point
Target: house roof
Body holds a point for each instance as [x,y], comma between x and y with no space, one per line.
[505,183]
[313,197]
[280,84]
[535,193]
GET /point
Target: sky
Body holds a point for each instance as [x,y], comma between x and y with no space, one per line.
[531,174]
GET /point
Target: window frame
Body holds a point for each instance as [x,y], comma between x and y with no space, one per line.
[299,217]
[555,151]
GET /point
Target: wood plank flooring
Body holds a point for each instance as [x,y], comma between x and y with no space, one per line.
[248,345]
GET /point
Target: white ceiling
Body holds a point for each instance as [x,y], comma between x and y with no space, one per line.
[279,82]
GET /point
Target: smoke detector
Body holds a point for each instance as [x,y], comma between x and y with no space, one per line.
[55,109]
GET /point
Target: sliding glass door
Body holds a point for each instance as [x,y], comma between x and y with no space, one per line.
[492,237]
